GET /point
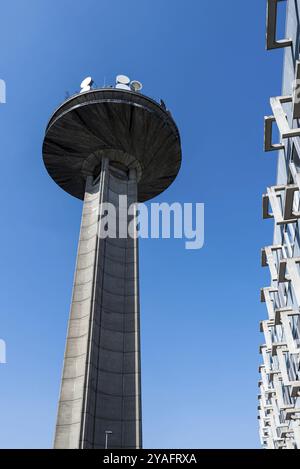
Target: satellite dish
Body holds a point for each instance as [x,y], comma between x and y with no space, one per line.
[85,88]
[123,87]
[136,85]
[88,81]
[123,79]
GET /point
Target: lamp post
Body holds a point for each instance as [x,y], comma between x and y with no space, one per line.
[107,432]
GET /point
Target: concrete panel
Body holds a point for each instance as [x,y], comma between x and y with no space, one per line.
[72,388]
[74,367]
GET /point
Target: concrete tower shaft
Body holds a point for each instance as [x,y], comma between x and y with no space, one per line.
[101,377]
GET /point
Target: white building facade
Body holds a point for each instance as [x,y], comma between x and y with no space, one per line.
[279,386]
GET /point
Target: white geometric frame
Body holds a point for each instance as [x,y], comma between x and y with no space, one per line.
[271,27]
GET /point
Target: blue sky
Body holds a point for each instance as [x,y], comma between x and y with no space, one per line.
[200,310]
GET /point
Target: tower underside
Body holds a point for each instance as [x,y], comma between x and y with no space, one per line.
[101,389]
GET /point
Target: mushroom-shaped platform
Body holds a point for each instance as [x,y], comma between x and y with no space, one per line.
[129,128]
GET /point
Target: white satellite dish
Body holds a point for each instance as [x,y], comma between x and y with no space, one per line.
[123,87]
[136,85]
[88,81]
[123,79]
[85,88]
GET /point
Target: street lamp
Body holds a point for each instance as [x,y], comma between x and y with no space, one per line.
[107,432]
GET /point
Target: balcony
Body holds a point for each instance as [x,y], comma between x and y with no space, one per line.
[290,320]
[271,256]
[283,394]
[290,372]
[279,116]
[271,37]
[274,336]
[289,272]
[292,414]
[267,295]
[281,200]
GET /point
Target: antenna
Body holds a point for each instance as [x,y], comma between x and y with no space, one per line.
[136,85]
[122,82]
[86,84]
[123,79]
[163,105]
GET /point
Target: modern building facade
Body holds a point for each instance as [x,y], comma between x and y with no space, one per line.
[110,145]
[279,387]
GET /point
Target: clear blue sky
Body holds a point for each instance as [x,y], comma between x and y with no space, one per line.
[199,309]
